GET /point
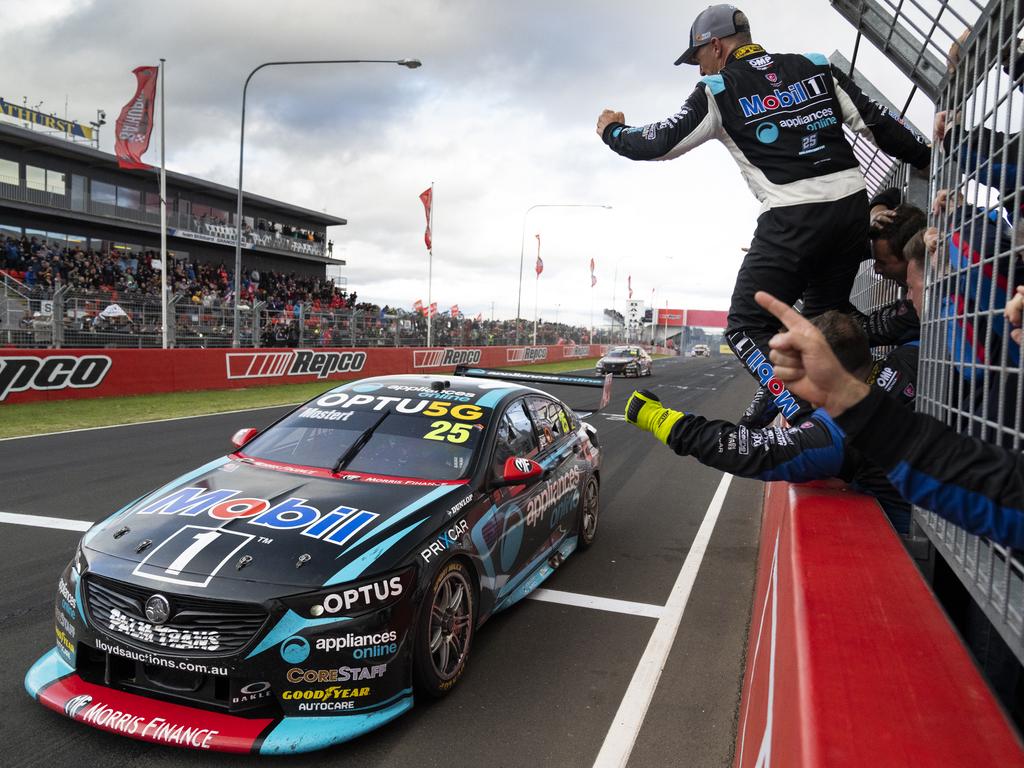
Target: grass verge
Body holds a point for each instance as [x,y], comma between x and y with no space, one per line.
[60,415]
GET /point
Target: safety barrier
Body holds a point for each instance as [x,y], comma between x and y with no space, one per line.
[850,660]
[32,375]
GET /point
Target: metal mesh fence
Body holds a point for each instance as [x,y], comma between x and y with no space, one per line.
[969,59]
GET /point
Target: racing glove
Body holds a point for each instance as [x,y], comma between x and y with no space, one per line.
[646,411]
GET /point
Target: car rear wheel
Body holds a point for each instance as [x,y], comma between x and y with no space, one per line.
[445,630]
[590,508]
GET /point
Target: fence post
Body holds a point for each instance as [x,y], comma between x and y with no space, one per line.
[57,317]
[257,323]
[172,320]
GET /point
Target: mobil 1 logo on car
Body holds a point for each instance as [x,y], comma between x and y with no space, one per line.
[19,373]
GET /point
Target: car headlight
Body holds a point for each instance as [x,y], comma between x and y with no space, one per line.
[354,598]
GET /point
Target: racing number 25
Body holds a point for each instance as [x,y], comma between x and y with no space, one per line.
[445,430]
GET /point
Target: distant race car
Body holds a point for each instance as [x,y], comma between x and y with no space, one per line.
[701,350]
[295,593]
[627,361]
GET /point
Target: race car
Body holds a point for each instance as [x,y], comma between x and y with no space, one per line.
[299,591]
[628,361]
[701,350]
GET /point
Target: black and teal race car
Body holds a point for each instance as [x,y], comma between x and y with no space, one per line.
[305,588]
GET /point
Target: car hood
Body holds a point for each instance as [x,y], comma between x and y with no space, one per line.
[243,521]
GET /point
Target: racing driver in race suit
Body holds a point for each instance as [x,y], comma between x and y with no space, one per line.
[781,117]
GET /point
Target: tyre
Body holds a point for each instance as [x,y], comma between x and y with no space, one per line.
[444,633]
[590,509]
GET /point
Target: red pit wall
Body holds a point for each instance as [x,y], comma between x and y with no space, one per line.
[148,371]
[850,659]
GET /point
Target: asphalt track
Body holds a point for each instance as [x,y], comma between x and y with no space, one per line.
[546,679]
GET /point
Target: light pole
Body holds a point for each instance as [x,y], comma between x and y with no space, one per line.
[522,246]
[410,63]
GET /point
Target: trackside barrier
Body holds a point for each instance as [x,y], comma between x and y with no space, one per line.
[850,659]
[33,375]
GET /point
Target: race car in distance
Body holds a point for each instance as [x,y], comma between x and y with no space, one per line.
[701,350]
[628,361]
[295,593]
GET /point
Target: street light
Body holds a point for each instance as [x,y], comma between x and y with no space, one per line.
[522,246]
[408,63]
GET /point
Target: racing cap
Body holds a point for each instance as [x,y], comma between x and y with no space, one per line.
[714,21]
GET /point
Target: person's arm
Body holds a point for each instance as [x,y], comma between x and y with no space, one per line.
[976,485]
[696,121]
[892,325]
[868,117]
[811,451]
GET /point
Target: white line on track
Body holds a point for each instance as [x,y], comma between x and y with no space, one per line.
[544,595]
[597,603]
[621,736]
[151,421]
[39,521]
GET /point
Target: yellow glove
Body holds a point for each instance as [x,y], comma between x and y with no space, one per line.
[646,411]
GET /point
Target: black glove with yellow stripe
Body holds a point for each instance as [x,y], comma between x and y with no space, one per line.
[646,411]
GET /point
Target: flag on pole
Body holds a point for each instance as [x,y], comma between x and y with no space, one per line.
[433,308]
[479,316]
[427,198]
[593,277]
[135,123]
[455,310]
[418,306]
[629,283]
[540,264]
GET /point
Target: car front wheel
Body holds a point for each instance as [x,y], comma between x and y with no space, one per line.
[445,630]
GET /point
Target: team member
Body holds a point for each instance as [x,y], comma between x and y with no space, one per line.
[976,485]
[780,116]
[814,448]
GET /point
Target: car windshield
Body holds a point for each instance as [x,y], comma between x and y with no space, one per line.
[400,444]
[624,351]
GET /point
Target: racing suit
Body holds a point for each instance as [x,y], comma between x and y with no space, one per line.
[814,449]
[975,485]
[781,117]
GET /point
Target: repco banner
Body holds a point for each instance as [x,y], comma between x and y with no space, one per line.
[33,375]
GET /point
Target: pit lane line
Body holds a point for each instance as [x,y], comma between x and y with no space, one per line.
[621,737]
[543,595]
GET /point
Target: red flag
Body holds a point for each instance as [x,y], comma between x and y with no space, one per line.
[593,281]
[629,283]
[427,198]
[540,264]
[433,309]
[591,265]
[418,306]
[135,123]
[455,310]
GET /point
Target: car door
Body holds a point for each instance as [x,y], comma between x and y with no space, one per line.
[549,514]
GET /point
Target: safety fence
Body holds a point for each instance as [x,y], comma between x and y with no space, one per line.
[968,58]
[35,318]
[34,375]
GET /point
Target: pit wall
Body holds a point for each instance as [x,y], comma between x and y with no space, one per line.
[850,659]
[34,375]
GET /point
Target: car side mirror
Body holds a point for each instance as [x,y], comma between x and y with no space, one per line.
[243,436]
[520,472]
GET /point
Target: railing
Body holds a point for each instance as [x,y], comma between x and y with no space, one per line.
[184,224]
[970,370]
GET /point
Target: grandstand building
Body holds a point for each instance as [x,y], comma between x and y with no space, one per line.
[73,195]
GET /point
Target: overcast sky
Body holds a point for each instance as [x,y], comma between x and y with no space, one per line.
[500,117]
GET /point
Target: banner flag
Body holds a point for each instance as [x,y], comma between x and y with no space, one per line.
[417,306]
[135,123]
[433,309]
[427,198]
[454,312]
[629,283]
[540,264]
[593,278]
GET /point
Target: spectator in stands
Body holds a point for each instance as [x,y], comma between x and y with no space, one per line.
[976,485]
[1014,312]
[813,449]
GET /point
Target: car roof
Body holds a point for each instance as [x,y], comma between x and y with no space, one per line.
[468,385]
